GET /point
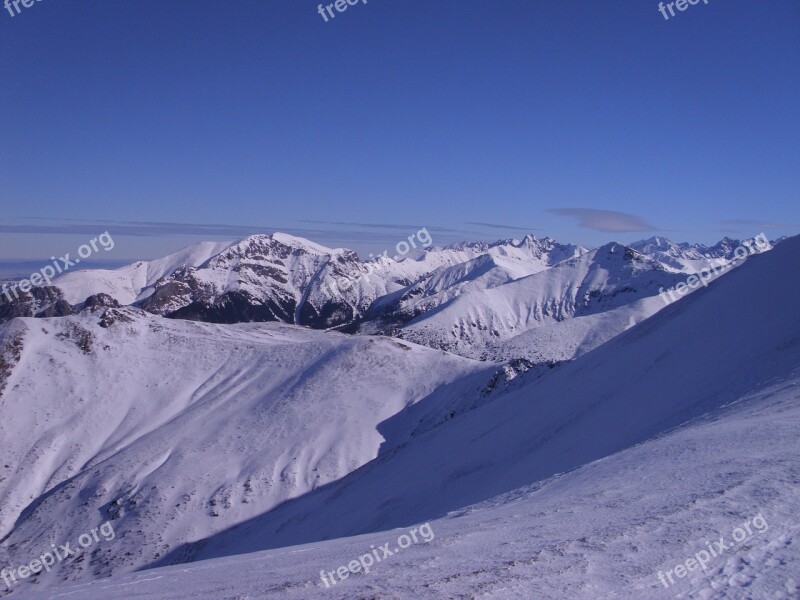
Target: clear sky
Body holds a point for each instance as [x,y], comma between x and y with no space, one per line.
[166,122]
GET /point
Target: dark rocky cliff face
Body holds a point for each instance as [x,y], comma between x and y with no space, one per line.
[45,301]
[234,307]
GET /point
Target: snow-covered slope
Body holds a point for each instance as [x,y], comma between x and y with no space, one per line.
[590,479]
[553,341]
[479,321]
[465,268]
[717,346]
[128,283]
[175,430]
[519,257]
[605,530]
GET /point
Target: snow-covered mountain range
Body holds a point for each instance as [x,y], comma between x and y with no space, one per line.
[685,257]
[476,299]
[263,446]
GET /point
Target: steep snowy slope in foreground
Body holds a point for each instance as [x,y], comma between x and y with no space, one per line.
[175,430]
[603,531]
[697,355]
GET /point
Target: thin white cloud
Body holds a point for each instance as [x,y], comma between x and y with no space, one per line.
[500,226]
[608,221]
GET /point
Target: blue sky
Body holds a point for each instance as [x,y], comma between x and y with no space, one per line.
[167,122]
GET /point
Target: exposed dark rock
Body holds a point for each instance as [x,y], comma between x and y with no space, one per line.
[10,353]
[235,307]
[44,301]
[100,300]
[81,337]
[112,315]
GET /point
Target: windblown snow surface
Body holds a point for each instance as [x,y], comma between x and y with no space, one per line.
[582,481]
[176,430]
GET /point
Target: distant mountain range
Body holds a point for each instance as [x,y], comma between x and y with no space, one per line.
[477,299]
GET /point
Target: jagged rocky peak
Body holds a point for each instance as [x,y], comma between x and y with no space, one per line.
[662,246]
[475,246]
[532,240]
[723,248]
[654,243]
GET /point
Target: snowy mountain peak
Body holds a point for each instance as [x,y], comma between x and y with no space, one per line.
[474,246]
[532,240]
[276,245]
[303,243]
[622,252]
[654,243]
[722,249]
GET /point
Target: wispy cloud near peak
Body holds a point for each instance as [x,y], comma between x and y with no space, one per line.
[608,221]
